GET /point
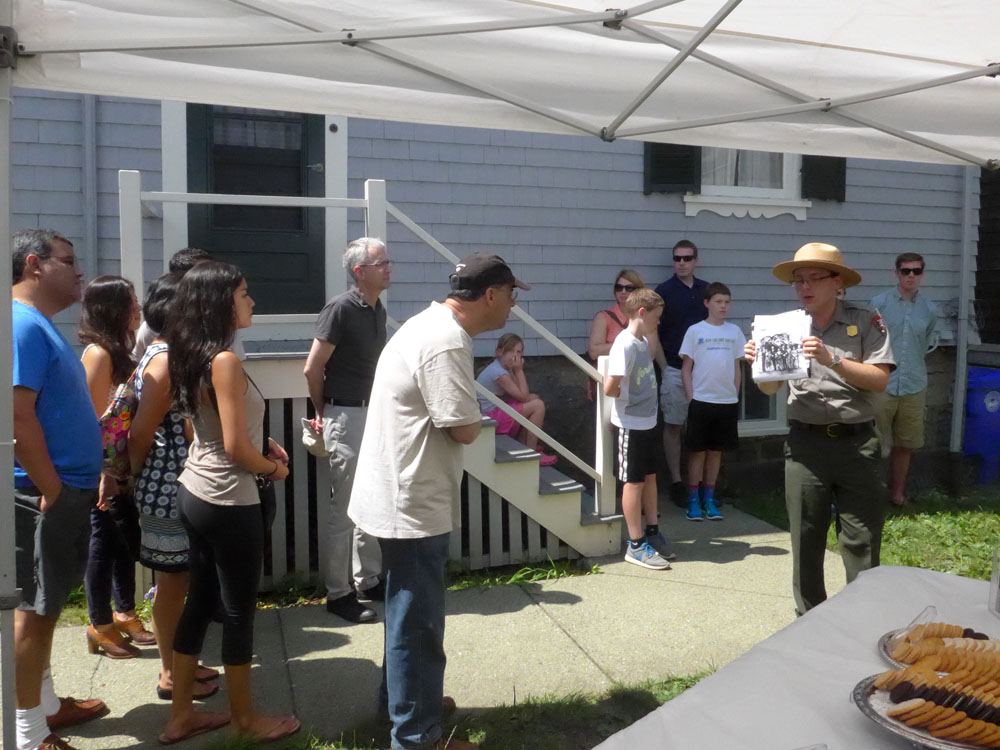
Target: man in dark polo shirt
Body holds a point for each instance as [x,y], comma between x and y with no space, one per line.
[340,368]
[683,306]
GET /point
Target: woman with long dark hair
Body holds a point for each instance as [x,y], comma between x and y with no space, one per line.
[158,447]
[108,321]
[218,497]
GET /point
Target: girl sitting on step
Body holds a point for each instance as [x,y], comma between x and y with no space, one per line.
[504,376]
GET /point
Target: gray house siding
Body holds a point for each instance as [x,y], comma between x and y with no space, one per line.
[61,164]
[565,211]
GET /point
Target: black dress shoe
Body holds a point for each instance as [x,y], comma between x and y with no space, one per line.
[679,494]
[374,594]
[348,607]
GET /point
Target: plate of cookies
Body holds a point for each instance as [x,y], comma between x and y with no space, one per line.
[906,646]
[945,691]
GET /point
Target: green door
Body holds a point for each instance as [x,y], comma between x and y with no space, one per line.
[259,152]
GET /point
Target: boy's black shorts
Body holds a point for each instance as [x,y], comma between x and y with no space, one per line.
[636,453]
[712,427]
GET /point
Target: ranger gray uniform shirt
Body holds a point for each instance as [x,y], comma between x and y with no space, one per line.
[855,332]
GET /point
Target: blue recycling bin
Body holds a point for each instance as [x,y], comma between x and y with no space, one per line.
[982,420]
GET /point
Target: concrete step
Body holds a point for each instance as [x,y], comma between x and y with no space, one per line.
[551,481]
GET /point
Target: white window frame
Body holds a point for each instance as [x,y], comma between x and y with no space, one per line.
[777,425]
[755,202]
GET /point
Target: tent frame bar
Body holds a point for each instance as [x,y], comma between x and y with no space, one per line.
[484,88]
[349,37]
[749,75]
[608,133]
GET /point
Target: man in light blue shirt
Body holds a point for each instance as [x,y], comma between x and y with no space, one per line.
[911,318]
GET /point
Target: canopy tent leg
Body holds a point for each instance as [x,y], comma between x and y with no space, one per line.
[9,595]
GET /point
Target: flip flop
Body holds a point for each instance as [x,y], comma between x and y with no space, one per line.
[218,721]
[284,728]
[208,674]
[167,694]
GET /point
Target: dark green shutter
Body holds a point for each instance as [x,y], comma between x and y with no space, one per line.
[824,178]
[669,168]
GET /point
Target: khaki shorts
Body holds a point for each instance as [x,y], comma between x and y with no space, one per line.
[673,399]
[900,421]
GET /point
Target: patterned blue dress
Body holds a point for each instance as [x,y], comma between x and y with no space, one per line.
[164,544]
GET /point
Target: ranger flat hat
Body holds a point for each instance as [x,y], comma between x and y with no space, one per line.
[817,255]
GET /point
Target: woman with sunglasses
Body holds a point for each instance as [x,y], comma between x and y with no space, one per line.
[607,324]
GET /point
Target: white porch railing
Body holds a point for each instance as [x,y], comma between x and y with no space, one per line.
[377,210]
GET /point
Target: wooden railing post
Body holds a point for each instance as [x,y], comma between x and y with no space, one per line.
[130,227]
[375,213]
[605,494]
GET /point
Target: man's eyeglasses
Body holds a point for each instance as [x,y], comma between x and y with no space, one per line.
[908,271]
[683,258]
[811,279]
[380,265]
[625,287]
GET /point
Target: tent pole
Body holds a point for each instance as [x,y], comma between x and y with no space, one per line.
[9,595]
[506,96]
[609,132]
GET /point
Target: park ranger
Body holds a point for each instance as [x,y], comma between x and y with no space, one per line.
[832,455]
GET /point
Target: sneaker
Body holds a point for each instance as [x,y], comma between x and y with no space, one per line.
[349,608]
[374,594]
[711,512]
[646,557]
[694,511]
[547,459]
[663,548]
[679,494]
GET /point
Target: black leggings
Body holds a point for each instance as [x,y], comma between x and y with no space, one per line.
[227,543]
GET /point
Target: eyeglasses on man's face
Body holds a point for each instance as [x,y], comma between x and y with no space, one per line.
[811,280]
[380,265]
[625,288]
[683,258]
[908,271]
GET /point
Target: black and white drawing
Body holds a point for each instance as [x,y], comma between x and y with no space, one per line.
[779,346]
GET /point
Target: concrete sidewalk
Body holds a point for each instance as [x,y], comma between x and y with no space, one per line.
[729,589]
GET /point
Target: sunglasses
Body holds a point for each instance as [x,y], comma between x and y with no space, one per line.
[908,271]
[625,288]
[683,258]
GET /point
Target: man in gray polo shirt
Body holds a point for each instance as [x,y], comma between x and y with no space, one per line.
[340,368]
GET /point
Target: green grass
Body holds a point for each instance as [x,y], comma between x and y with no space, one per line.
[547,723]
[937,532]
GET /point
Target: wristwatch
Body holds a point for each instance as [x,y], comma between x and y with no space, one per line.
[835,361]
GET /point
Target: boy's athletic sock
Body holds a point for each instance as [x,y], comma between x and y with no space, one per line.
[652,529]
[693,493]
[709,492]
[636,543]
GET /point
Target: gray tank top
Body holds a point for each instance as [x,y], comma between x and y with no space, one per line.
[210,473]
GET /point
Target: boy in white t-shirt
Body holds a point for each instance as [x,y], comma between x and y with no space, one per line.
[631,383]
[712,351]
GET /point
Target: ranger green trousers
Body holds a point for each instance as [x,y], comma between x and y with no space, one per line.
[837,478]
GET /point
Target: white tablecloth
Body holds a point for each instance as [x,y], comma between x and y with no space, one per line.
[794,689]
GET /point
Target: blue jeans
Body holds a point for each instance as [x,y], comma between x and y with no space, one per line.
[413,665]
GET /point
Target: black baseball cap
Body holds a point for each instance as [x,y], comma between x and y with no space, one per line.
[481,270]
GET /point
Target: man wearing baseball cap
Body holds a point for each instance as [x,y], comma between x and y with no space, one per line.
[832,455]
[423,408]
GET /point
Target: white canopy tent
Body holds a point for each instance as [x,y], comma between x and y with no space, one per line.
[912,79]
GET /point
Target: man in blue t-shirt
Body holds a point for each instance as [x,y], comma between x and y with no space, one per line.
[56,474]
[683,306]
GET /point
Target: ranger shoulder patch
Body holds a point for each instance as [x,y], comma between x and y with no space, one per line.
[879,323]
